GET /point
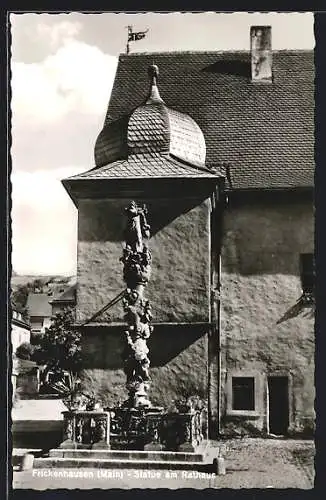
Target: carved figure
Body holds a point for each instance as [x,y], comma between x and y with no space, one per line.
[137,226]
[69,429]
[79,430]
[101,429]
[136,258]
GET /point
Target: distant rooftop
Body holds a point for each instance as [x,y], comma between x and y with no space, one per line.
[38,305]
[17,318]
[69,295]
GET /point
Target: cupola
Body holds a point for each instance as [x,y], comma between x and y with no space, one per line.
[152,144]
[152,129]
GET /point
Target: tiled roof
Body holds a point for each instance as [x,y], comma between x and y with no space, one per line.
[151,128]
[38,305]
[148,129]
[145,165]
[263,132]
[111,143]
[69,295]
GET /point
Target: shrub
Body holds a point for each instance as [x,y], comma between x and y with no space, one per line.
[60,347]
[25,351]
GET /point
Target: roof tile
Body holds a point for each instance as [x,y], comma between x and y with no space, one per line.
[38,305]
[264,133]
[146,165]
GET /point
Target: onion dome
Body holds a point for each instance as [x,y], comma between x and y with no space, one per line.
[152,129]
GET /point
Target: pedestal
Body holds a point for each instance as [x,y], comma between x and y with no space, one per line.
[153,431]
[189,432]
[68,444]
[86,429]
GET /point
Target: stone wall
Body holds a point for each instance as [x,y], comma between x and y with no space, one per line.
[180,242]
[263,331]
[178,291]
[178,357]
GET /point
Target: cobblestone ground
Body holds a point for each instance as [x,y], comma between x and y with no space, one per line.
[250,463]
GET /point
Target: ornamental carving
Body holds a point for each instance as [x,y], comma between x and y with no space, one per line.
[136,259]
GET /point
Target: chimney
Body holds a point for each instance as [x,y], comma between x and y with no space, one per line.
[261,53]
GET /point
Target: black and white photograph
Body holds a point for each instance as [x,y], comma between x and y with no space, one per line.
[162,288]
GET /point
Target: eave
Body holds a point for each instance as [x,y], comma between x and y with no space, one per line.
[140,187]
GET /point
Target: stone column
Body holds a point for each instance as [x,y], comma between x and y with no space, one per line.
[136,272]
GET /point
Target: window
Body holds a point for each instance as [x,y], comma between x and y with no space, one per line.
[307,272]
[243,393]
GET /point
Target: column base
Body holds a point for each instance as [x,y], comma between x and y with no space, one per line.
[68,444]
[187,447]
[101,445]
[153,447]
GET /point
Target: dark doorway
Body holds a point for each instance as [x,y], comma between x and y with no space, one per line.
[278,389]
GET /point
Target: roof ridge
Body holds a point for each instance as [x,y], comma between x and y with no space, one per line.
[237,51]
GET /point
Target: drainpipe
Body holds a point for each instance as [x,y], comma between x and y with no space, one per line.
[212,311]
[221,196]
[218,205]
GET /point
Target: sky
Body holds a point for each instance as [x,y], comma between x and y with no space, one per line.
[62,72]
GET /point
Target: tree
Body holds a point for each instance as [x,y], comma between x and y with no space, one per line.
[25,351]
[19,299]
[20,295]
[60,347]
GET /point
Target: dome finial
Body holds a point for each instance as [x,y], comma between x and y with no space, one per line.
[153,73]
[154,95]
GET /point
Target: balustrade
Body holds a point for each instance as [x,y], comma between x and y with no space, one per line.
[86,429]
[149,429]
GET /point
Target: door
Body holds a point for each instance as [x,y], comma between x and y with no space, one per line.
[278,390]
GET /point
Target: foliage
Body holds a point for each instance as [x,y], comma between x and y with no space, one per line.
[25,351]
[20,295]
[70,391]
[36,339]
[60,347]
[185,404]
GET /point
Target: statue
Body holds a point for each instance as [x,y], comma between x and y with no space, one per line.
[136,258]
[137,227]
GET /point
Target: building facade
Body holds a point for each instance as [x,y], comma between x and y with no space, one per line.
[20,330]
[267,320]
[39,312]
[65,299]
[223,156]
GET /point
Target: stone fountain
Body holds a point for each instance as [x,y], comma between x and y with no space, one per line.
[135,433]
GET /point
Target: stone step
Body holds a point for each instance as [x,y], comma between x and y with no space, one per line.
[163,456]
[68,463]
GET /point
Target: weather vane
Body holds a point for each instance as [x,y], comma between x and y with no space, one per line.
[134,36]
